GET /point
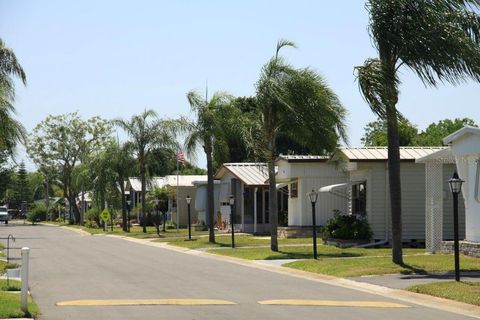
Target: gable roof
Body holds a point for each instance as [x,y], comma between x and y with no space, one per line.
[381,153]
[303,158]
[250,173]
[460,133]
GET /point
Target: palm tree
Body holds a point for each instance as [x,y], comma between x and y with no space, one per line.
[205,132]
[436,39]
[296,103]
[148,132]
[11,130]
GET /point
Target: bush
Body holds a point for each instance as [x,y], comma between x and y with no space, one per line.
[92,217]
[347,227]
[37,213]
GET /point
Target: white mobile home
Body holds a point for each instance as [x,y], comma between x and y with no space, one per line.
[368,190]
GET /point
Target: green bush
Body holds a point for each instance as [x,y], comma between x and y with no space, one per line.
[92,218]
[37,213]
[347,227]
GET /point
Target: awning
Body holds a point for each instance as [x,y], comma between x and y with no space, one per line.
[281,185]
[337,189]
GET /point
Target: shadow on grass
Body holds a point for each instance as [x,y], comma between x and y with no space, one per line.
[412,269]
[302,255]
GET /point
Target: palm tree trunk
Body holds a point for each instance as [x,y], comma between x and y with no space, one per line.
[210,195]
[272,202]
[395,184]
[144,191]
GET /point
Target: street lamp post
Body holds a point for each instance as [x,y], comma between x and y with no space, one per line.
[232,216]
[129,203]
[157,218]
[189,218]
[313,199]
[456,187]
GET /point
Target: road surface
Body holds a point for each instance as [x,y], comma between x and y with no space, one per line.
[67,266]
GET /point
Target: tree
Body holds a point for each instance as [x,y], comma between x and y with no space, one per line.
[436,39]
[11,130]
[205,131]
[22,190]
[62,142]
[376,133]
[148,133]
[298,103]
[435,132]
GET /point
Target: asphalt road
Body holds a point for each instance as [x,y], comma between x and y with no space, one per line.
[66,266]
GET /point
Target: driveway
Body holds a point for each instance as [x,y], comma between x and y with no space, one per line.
[67,266]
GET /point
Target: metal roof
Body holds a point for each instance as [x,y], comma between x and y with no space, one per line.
[170,180]
[303,158]
[251,173]
[442,156]
[460,133]
[381,153]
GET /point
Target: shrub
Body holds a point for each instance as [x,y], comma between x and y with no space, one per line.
[37,213]
[92,217]
[347,227]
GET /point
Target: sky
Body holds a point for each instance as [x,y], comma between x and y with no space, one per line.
[116,58]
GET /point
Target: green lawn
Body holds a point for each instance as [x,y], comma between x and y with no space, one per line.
[375,266]
[13,285]
[10,306]
[224,240]
[468,292]
[305,252]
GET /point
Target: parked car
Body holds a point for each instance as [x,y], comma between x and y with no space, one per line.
[4,214]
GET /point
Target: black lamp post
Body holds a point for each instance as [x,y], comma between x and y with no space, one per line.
[232,215]
[189,218]
[313,199]
[129,203]
[456,187]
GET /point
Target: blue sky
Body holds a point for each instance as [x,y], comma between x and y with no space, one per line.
[115,58]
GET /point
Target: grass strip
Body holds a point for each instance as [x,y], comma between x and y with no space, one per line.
[463,291]
[378,266]
[10,306]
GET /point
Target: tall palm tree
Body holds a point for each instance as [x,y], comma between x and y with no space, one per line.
[436,39]
[299,104]
[11,130]
[148,132]
[205,132]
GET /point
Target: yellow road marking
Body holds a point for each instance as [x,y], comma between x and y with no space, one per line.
[333,303]
[140,302]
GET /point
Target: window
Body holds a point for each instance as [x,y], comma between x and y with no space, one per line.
[294,190]
[359,199]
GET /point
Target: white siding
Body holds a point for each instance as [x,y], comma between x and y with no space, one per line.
[448,170]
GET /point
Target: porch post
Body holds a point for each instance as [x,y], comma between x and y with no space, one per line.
[255,210]
[242,204]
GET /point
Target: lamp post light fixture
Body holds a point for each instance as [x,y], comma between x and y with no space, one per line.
[189,218]
[129,203]
[313,199]
[232,215]
[456,187]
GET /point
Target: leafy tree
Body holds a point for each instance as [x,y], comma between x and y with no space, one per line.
[22,191]
[299,103]
[376,133]
[205,131]
[436,39]
[148,133]
[62,142]
[11,130]
[435,132]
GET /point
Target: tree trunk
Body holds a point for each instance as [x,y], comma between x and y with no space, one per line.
[144,190]
[210,195]
[272,202]
[395,184]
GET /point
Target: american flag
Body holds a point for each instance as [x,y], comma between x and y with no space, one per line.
[180,157]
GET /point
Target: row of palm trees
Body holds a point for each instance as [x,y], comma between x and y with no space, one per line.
[439,40]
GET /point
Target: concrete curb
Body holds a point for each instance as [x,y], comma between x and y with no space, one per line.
[402,295]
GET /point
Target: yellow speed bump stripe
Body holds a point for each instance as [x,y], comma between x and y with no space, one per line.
[144,302]
[333,303]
